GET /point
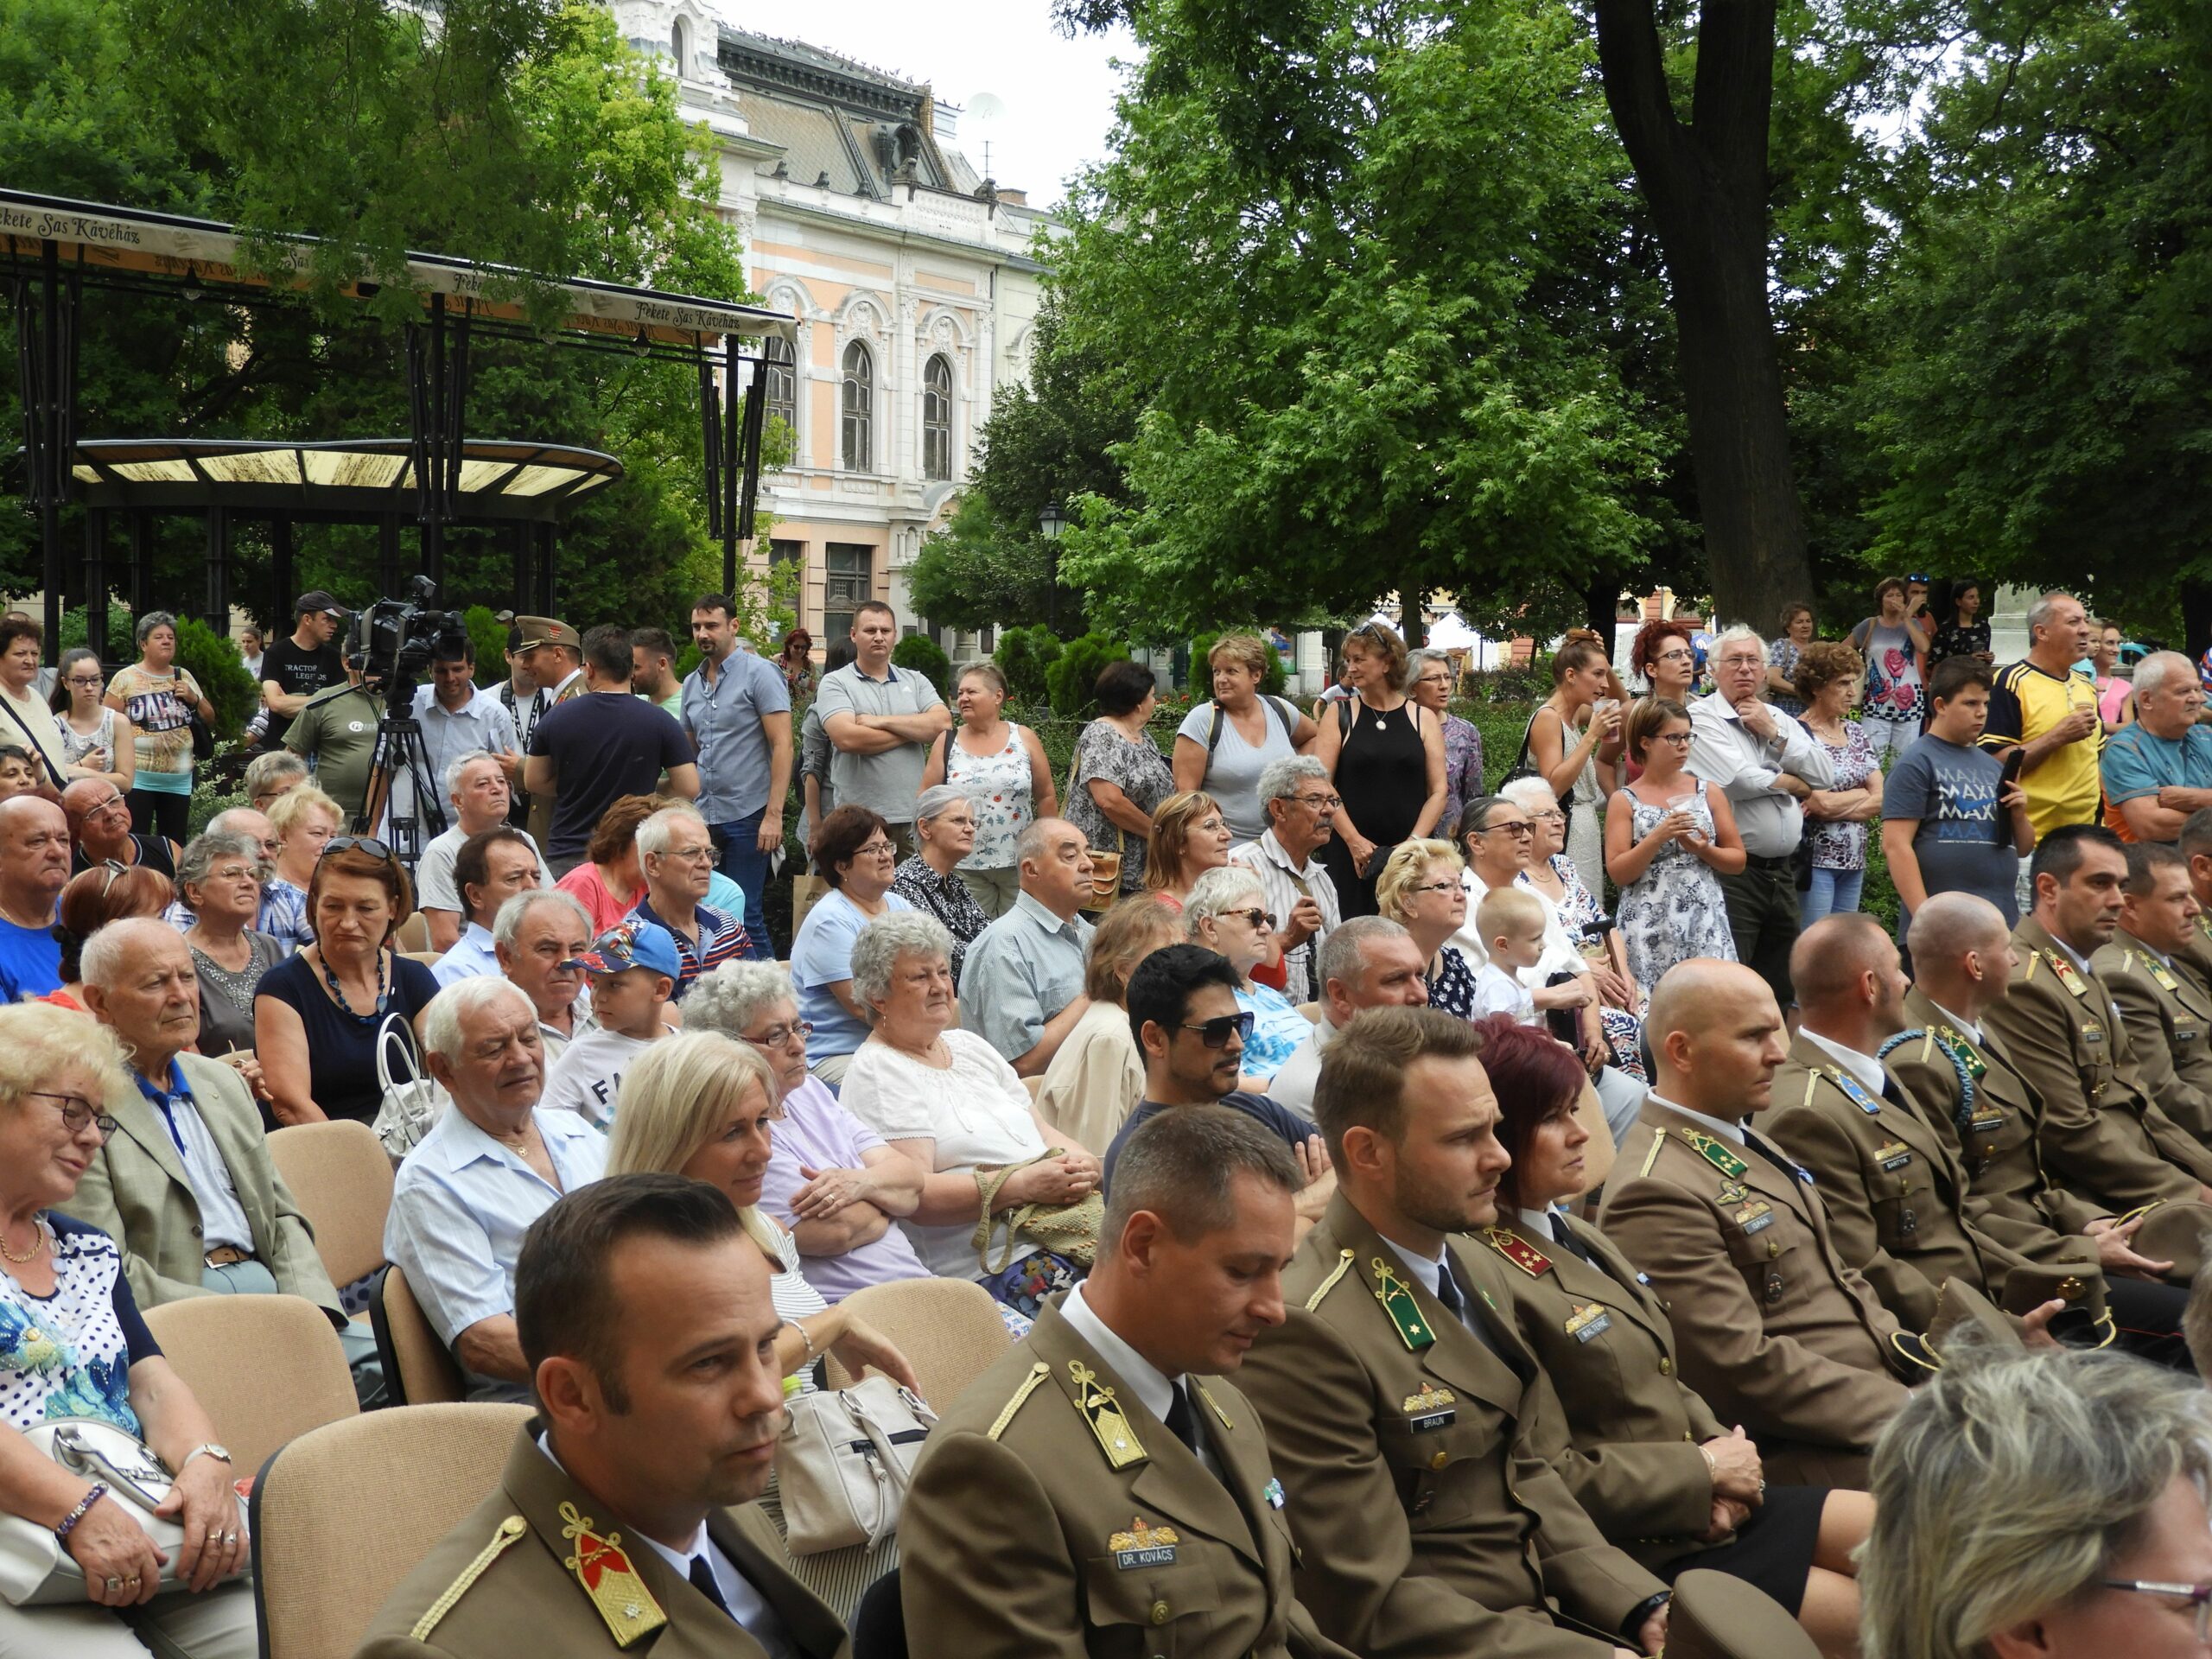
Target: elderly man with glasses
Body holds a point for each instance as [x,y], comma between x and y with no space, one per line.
[1766,763]
[676,850]
[1022,983]
[1300,803]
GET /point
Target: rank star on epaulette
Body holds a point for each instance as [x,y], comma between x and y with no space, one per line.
[604,1570]
[2067,974]
[1518,1251]
[1397,1298]
[1713,1153]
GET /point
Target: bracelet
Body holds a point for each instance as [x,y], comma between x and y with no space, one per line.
[805,1339]
[84,1504]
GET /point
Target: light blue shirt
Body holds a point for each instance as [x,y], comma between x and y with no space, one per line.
[222,1218]
[473,955]
[822,957]
[1022,970]
[723,717]
[482,722]
[459,1208]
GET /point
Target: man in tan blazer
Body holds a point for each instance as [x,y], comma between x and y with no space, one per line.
[2166,1008]
[1777,1332]
[1400,1401]
[185,1185]
[1896,1196]
[1103,1490]
[643,1312]
[2104,1137]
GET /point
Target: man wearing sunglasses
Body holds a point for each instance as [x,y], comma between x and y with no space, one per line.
[1183,1011]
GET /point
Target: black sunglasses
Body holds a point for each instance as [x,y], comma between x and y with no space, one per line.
[1214,1032]
[368,844]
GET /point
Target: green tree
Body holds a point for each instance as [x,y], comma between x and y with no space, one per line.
[980,569]
[926,657]
[1075,672]
[1026,657]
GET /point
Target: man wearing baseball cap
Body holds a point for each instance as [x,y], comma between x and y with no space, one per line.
[633,969]
[294,669]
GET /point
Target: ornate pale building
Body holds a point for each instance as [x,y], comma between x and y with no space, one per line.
[911,274]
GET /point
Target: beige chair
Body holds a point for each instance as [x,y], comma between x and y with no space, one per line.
[428,959]
[346,1511]
[414,934]
[418,1368]
[1035,1085]
[949,1329]
[263,1367]
[341,1176]
[1311,1011]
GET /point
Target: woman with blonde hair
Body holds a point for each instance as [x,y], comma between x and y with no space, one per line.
[1421,889]
[1189,836]
[304,819]
[1097,1076]
[1222,745]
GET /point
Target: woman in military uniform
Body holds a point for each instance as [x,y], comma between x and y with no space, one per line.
[1641,1453]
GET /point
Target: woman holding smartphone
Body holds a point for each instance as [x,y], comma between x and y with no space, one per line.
[1667,851]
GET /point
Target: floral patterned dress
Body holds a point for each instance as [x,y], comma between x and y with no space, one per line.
[1139,770]
[1451,986]
[1463,770]
[1675,909]
[70,1354]
[1000,785]
[1839,846]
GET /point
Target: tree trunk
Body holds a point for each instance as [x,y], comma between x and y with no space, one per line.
[1601,602]
[1413,621]
[1707,184]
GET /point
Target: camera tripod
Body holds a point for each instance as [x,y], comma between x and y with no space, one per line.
[401,755]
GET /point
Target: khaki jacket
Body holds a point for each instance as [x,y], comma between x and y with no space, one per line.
[2103,1137]
[1894,1192]
[134,1191]
[1431,1522]
[1021,1539]
[501,1584]
[1782,1336]
[2167,1011]
[1627,1441]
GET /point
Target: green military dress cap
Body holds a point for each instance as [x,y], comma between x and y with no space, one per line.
[2174,1232]
[545,631]
[1718,1617]
[2079,1285]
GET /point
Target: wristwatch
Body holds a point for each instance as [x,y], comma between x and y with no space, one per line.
[209,1449]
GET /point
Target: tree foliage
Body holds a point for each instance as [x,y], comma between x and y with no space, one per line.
[1070,677]
[1026,656]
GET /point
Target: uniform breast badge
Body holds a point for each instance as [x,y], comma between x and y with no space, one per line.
[1589,1322]
[1433,1408]
[1272,1492]
[1143,1545]
[612,1584]
[1397,1298]
[1104,1412]
[1894,1156]
[1755,1216]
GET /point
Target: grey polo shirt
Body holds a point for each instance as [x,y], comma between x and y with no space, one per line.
[1022,970]
[723,717]
[885,783]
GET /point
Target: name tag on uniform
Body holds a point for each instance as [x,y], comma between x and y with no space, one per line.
[1589,1323]
[1755,1216]
[2093,1033]
[1143,1546]
[2186,1034]
[1894,1156]
[1986,1121]
[1432,1409]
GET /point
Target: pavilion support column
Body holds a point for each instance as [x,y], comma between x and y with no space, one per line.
[96,581]
[549,556]
[280,567]
[141,564]
[218,570]
[519,536]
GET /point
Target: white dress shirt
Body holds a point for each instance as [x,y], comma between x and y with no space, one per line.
[1865,1067]
[1155,1389]
[1725,754]
[1720,1126]
[1966,1028]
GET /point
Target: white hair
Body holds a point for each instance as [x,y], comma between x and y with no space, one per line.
[1735,634]
[2160,667]
[461,764]
[507,926]
[1222,888]
[108,951]
[1530,794]
[731,997]
[937,798]
[653,834]
[441,1019]
[1278,779]
[882,943]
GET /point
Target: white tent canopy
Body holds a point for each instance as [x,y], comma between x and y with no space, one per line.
[1450,633]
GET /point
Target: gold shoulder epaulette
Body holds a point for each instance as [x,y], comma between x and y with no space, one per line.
[1812,1082]
[1343,1266]
[2034,957]
[1927,1043]
[509,1529]
[1652,1157]
[1038,1373]
[1205,1395]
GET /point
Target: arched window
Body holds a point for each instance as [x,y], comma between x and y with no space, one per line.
[937,418]
[859,407]
[679,45]
[783,382]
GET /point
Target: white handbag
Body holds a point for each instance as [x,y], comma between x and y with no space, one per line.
[845,1463]
[36,1569]
[409,1104]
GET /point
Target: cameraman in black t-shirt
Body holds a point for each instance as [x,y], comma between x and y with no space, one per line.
[294,669]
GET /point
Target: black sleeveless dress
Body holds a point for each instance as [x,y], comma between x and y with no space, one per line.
[1382,779]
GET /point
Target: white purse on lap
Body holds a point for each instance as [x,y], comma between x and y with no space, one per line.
[845,1461]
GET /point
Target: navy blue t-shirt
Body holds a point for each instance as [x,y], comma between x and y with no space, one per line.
[30,962]
[1294,1130]
[604,744]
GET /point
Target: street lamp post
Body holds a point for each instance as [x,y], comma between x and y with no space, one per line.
[1050,523]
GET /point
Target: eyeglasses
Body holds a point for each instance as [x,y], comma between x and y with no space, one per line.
[2199,1595]
[368,844]
[1520,831]
[876,850]
[1675,656]
[694,854]
[234,873]
[1214,1032]
[778,1036]
[1436,886]
[1554,816]
[85,682]
[76,1112]
[1257,917]
[1320,803]
[1682,740]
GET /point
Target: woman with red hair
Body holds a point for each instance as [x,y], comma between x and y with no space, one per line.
[1658,1472]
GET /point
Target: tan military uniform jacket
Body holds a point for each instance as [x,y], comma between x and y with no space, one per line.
[1782,1336]
[2198,956]
[1022,1539]
[1432,1524]
[1894,1192]
[2103,1137]
[2168,1013]
[499,1585]
[1627,1444]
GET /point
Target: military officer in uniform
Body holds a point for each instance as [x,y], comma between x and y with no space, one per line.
[1896,1195]
[644,1309]
[2196,845]
[1402,1403]
[1102,1490]
[2165,1007]
[2104,1137]
[552,653]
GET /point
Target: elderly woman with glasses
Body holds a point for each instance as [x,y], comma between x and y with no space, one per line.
[946,1100]
[2044,1507]
[321,1015]
[96,741]
[1226,913]
[854,853]
[72,1345]
[1428,682]
[219,877]
[945,833]
[1421,890]
[1667,852]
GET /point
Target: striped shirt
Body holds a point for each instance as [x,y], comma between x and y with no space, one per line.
[721,938]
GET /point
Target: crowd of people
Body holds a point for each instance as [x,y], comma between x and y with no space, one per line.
[1554,1251]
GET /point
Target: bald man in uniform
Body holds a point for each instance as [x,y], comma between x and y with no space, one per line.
[2196,845]
[1102,1490]
[2166,1009]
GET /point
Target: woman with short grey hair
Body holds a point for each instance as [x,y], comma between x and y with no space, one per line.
[947,1101]
[944,833]
[218,880]
[160,699]
[1428,682]
[2051,1507]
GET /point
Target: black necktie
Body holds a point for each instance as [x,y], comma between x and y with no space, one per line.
[702,1580]
[1776,1159]
[1566,1237]
[1448,1293]
[1182,1422]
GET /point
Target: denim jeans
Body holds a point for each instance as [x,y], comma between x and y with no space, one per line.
[742,861]
[1833,892]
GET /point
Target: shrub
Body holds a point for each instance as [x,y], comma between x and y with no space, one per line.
[489,636]
[1025,656]
[926,657]
[1069,681]
[1273,684]
[213,659]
